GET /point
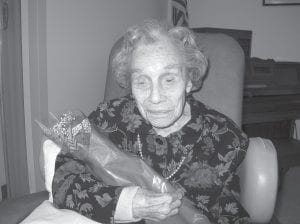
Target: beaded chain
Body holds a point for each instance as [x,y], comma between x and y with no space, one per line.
[142,157]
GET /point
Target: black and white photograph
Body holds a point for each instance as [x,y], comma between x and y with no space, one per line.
[149,111]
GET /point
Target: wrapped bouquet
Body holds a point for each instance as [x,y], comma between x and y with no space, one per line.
[73,132]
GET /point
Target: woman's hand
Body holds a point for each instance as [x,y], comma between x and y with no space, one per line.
[155,206]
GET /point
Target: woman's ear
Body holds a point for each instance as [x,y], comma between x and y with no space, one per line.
[189,86]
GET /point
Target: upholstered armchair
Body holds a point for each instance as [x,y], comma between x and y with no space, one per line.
[222,90]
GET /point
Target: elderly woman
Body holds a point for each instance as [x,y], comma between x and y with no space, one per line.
[186,142]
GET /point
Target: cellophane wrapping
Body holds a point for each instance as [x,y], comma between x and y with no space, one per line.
[73,132]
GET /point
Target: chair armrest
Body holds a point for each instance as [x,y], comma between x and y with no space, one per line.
[259,180]
[15,210]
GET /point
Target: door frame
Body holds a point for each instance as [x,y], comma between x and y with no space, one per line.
[13,120]
[3,174]
[34,53]
[24,94]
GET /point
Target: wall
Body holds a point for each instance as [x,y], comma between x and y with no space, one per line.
[276,29]
[80,34]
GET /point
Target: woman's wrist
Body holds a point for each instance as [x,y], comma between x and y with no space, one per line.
[124,212]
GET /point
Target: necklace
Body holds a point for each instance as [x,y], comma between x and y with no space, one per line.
[142,157]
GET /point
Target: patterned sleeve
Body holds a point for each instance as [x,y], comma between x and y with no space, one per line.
[106,115]
[75,188]
[231,150]
[227,208]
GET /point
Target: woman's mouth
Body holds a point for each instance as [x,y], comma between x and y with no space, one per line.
[158,113]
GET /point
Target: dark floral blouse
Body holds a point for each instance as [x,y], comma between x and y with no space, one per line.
[213,146]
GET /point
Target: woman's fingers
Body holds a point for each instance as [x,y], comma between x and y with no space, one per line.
[174,212]
[156,199]
[155,206]
[176,204]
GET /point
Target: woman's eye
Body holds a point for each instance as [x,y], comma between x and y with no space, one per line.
[169,79]
[140,82]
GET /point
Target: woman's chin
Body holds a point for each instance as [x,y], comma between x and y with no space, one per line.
[161,123]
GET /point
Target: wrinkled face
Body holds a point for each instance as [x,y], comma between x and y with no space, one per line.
[159,83]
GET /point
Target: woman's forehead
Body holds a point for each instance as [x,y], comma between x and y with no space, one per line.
[158,41]
[162,50]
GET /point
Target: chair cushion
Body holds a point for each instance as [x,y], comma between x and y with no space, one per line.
[50,152]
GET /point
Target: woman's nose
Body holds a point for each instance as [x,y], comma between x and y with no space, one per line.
[155,96]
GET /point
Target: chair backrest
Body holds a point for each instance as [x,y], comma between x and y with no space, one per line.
[223,85]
